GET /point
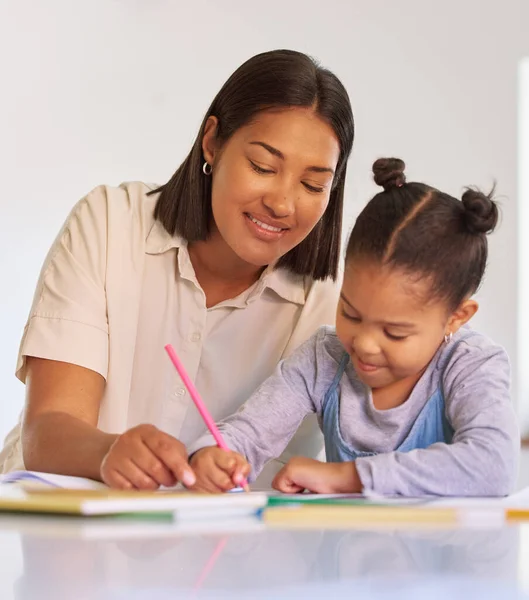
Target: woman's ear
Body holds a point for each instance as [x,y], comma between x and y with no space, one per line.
[209,140]
[461,315]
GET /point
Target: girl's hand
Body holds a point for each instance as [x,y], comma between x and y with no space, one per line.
[145,458]
[218,470]
[301,474]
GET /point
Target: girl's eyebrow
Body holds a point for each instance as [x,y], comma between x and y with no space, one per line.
[401,324]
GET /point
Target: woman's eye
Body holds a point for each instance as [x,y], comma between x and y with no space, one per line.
[313,188]
[259,169]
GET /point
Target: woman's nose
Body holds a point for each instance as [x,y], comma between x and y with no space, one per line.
[281,202]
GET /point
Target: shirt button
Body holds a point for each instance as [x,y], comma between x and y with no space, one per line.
[180,392]
[196,337]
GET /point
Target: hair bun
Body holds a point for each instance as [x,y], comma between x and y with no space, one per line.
[481,212]
[389,173]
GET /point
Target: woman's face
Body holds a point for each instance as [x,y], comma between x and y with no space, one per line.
[271,181]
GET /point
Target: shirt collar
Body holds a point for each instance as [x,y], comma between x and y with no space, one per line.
[284,283]
[160,240]
[287,285]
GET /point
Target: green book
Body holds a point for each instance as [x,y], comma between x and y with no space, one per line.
[330,499]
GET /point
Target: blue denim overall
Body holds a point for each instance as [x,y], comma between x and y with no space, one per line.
[430,427]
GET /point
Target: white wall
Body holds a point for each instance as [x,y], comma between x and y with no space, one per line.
[112,90]
[523,238]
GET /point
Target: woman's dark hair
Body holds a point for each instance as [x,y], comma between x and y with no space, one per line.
[425,232]
[281,78]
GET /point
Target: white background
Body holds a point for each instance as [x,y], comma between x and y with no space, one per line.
[112,90]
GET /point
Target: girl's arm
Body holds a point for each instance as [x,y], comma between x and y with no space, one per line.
[264,425]
[482,459]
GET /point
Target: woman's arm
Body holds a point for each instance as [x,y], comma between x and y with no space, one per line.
[60,435]
[59,427]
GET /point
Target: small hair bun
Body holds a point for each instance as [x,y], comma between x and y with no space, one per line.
[389,173]
[480,211]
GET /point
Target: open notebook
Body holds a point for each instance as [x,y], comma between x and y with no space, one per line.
[48,493]
[36,480]
[349,510]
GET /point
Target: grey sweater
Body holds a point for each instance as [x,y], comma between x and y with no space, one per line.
[482,459]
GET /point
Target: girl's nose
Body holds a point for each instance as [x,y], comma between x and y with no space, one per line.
[365,345]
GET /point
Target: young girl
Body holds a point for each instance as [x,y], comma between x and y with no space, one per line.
[411,401]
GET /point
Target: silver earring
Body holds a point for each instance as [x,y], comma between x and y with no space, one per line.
[448,337]
[206,168]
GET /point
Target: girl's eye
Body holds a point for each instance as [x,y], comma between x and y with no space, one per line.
[259,169]
[312,188]
[396,338]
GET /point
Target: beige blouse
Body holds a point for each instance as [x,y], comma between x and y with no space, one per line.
[116,288]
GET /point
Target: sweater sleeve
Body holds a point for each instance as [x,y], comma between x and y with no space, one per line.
[265,424]
[482,459]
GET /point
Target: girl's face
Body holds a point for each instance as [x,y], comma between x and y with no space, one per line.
[387,327]
[271,182]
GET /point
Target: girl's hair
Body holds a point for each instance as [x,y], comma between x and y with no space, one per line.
[425,232]
[277,79]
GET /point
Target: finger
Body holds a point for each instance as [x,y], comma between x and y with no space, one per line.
[241,472]
[209,477]
[221,480]
[234,465]
[227,461]
[206,486]
[283,483]
[153,466]
[200,487]
[139,479]
[115,480]
[173,455]
[287,487]
[204,483]
[216,467]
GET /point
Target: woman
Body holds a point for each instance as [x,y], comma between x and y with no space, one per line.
[232,261]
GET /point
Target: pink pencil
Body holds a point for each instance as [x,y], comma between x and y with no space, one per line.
[199,403]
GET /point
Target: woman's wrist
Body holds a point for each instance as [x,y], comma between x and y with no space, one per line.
[103,445]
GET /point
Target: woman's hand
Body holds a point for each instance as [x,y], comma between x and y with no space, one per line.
[301,474]
[145,458]
[218,470]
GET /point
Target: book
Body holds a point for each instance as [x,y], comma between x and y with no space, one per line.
[124,527]
[182,505]
[37,480]
[277,499]
[328,516]
[351,510]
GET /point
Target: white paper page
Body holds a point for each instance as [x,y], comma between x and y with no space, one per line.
[34,479]
[183,505]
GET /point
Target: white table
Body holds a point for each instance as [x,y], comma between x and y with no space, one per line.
[65,558]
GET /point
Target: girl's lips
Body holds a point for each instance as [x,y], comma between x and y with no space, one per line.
[366,367]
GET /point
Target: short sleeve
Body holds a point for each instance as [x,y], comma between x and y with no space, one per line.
[68,319]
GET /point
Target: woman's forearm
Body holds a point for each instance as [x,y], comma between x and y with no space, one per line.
[56,442]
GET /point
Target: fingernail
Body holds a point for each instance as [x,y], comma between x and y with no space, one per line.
[188,478]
